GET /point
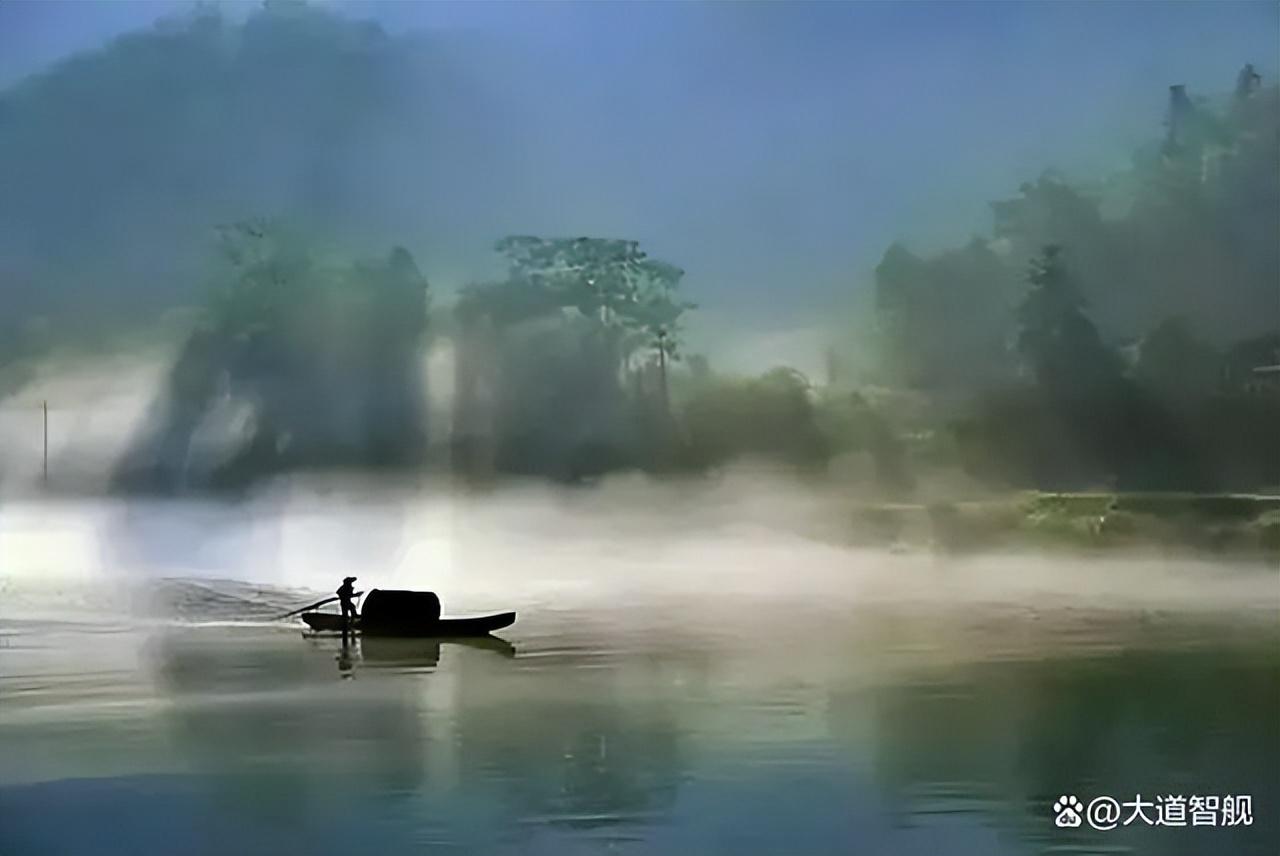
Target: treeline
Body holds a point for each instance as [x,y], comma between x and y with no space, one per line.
[569,368]
[1011,358]
[1123,334]
[1190,233]
[1135,350]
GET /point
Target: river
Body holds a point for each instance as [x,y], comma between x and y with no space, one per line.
[692,671]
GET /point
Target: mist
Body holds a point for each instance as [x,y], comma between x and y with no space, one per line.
[735,427]
[771,151]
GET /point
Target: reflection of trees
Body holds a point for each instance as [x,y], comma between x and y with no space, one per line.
[265,714]
[1013,735]
[576,761]
[274,718]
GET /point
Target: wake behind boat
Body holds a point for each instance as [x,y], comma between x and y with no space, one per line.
[407,613]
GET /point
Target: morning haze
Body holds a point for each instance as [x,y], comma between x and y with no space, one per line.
[773,150]
[663,428]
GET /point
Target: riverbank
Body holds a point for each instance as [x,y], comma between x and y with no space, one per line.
[1233,525]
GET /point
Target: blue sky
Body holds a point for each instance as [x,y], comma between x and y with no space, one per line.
[775,148]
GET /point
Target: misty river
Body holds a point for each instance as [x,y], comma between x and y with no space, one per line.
[745,683]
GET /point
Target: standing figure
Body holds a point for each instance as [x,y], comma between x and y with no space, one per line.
[346,596]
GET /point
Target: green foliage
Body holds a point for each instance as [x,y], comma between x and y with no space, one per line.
[943,321]
[548,375]
[274,289]
[609,280]
[1056,339]
[1188,231]
[1176,365]
[850,423]
[325,353]
[566,355]
[771,416]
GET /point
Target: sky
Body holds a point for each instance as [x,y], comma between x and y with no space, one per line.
[775,150]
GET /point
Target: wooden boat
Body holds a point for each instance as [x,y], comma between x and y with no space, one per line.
[408,613]
[440,627]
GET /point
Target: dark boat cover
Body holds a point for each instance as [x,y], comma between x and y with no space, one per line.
[407,609]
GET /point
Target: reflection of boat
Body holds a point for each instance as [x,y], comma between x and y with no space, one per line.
[382,651]
[409,614]
[400,654]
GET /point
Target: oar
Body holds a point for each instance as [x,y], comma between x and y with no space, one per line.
[314,605]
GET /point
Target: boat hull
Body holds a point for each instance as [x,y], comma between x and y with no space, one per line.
[440,627]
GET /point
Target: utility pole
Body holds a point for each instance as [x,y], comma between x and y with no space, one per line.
[44,405]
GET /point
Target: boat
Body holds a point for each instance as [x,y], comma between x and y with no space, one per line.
[479,625]
[408,614]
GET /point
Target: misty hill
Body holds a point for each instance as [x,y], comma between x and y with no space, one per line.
[117,165]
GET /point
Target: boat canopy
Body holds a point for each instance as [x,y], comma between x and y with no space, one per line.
[393,607]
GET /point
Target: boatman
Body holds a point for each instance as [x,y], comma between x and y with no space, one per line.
[346,595]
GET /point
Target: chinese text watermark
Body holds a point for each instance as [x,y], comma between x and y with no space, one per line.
[1105,813]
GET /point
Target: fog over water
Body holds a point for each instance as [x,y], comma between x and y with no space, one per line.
[868,411]
[707,668]
[625,538]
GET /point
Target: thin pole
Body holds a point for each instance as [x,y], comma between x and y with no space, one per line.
[314,605]
[45,407]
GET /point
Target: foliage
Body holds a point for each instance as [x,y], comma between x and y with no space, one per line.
[943,321]
[1176,365]
[608,280]
[771,416]
[562,365]
[1188,231]
[1057,340]
[548,371]
[325,354]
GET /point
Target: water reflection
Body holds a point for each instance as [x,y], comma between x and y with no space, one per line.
[402,655]
[410,654]
[268,715]
[1003,739]
[878,732]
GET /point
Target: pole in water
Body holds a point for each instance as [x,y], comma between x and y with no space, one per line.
[45,406]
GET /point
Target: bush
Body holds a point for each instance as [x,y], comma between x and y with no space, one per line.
[771,416]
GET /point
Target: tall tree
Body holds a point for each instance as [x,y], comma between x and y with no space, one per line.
[612,282]
[1058,342]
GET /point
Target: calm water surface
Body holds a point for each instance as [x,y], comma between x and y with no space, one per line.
[730,689]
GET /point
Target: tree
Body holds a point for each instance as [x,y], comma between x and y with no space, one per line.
[325,355]
[943,322]
[901,307]
[547,374]
[1176,364]
[631,297]
[771,416]
[609,280]
[1056,339]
